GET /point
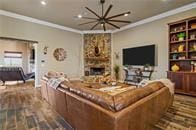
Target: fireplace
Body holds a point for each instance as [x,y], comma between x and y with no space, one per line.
[97,71]
[97,54]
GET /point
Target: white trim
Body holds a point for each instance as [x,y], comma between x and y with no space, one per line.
[38,86]
[157,17]
[33,20]
[144,21]
[96,31]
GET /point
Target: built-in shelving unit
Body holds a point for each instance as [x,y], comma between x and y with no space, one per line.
[187,54]
[182,52]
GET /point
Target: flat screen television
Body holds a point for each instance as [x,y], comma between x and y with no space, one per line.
[139,55]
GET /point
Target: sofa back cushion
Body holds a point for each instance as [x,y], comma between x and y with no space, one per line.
[100,98]
[129,97]
[111,102]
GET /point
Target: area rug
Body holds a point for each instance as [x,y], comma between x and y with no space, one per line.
[180,116]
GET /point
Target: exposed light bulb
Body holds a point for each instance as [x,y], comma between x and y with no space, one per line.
[79,16]
[126,14]
[102,24]
[43,2]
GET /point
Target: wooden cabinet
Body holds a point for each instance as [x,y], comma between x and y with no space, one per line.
[185,82]
[191,83]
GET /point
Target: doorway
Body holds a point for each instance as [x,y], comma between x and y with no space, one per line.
[18,61]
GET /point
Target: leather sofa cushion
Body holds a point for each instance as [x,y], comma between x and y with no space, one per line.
[100,98]
[129,97]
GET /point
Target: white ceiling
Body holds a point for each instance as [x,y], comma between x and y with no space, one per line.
[64,12]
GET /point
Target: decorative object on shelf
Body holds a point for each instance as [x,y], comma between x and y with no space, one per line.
[181,36]
[175,68]
[182,57]
[180,48]
[193,25]
[195,67]
[192,36]
[175,29]
[194,47]
[116,71]
[192,66]
[193,57]
[60,54]
[146,67]
[182,28]
[174,56]
[45,50]
[174,38]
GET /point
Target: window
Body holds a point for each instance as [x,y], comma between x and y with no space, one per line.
[13,58]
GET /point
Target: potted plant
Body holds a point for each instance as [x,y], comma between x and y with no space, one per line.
[146,67]
[116,71]
[181,36]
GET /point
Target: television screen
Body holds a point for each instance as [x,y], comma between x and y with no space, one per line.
[139,55]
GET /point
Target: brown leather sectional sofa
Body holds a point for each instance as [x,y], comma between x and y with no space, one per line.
[85,108]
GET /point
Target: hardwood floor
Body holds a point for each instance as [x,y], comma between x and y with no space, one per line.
[21,108]
[180,116]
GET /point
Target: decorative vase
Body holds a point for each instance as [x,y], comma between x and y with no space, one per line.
[181,38]
[175,56]
[175,68]
[194,47]
[181,48]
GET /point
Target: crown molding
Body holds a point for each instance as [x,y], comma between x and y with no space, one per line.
[144,21]
[157,17]
[96,31]
[37,21]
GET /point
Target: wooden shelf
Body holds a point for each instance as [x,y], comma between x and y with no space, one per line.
[178,31]
[192,51]
[182,72]
[191,40]
[191,29]
[177,52]
[182,59]
[178,41]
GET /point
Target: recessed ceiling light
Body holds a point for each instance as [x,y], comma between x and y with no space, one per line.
[126,14]
[79,16]
[43,2]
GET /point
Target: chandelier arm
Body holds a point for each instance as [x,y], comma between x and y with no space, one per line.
[113,25]
[118,15]
[120,21]
[94,25]
[104,27]
[90,18]
[108,10]
[102,9]
[93,12]
[87,22]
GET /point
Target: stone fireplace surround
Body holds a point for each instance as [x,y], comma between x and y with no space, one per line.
[97,54]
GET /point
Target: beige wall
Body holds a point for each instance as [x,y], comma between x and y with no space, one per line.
[51,37]
[150,33]
[15,46]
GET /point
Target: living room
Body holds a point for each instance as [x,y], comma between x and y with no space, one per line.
[72,43]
